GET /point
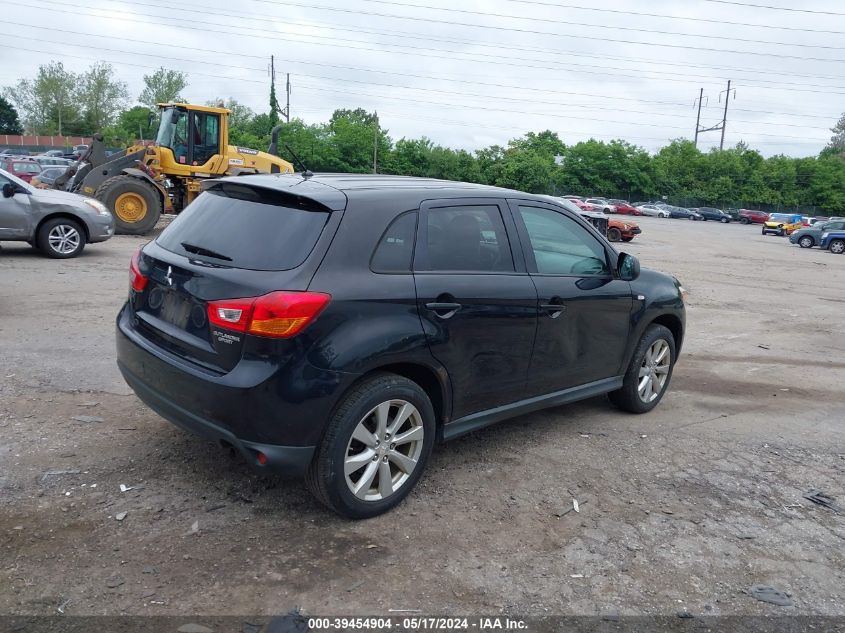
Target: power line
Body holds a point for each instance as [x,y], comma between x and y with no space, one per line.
[774,8]
[508,16]
[496,59]
[428,38]
[674,17]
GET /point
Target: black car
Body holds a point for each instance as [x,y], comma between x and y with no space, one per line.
[337,326]
[709,213]
[681,212]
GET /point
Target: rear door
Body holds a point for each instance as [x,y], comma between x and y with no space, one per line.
[477,304]
[584,312]
[234,242]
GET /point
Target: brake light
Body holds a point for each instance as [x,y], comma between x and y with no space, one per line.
[278,314]
[137,281]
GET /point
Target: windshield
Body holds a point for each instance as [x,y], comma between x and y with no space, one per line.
[14,179]
[172,133]
[27,168]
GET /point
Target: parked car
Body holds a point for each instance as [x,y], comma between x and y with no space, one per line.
[622,230]
[47,161]
[751,216]
[809,236]
[624,208]
[600,204]
[782,223]
[47,177]
[23,168]
[653,210]
[51,153]
[579,203]
[390,333]
[58,223]
[834,241]
[681,212]
[710,213]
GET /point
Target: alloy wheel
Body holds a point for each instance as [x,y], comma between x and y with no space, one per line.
[654,371]
[384,450]
[837,246]
[64,239]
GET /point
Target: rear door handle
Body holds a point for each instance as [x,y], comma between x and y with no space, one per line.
[443,309]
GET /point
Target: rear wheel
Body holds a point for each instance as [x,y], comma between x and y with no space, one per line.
[837,246]
[61,238]
[649,372]
[724,220]
[614,235]
[135,203]
[375,448]
[806,242]
[745,221]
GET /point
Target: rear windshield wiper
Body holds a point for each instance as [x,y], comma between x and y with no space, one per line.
[199,250]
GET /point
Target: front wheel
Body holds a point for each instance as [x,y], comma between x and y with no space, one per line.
[375,447]
[649,372]
[745,221]
[724,220]
[614,235]
[135,203]
[837,246]
[61,238]
[806,242]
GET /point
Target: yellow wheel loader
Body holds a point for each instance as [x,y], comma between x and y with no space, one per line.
[141,182]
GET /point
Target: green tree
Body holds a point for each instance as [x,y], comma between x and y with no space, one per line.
[163,86]
[135,124]
[49,103]
[353,134]
[9,122]
[101,96]
[837,141]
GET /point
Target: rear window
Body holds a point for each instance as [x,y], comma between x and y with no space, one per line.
[243,227]
[27,168]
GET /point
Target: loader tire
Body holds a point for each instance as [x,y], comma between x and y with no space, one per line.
[135,204]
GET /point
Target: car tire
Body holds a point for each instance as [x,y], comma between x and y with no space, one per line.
[636,396]
[385,397]
[745,221]
[806,242]
[837,246]
[763,231]
[614,235]
[61,238]
[724,220]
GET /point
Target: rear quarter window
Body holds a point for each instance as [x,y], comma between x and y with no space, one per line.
[246,227]
[395,250]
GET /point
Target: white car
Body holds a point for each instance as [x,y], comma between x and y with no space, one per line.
[600,204]
[653,210]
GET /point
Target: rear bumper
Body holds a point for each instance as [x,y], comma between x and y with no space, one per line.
[277,408]
[285,460]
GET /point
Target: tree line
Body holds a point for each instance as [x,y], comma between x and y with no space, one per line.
[60,101]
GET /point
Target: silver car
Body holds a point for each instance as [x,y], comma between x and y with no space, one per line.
[58,223]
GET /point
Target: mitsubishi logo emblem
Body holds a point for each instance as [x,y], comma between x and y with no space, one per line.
[168,277]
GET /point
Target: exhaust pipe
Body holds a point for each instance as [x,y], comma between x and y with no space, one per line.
[274,141]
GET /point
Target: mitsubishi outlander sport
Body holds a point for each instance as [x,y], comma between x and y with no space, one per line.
[339,326]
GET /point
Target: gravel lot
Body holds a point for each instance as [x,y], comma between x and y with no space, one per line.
[683,509]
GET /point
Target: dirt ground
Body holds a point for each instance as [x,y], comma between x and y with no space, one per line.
[683,509]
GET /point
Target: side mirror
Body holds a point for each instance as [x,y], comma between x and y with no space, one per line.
[627,267]
[8,190]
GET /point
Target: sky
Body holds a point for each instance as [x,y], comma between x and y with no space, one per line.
[471,73]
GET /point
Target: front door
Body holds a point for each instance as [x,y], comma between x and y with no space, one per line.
[584,312]
[15,212]
[477,304]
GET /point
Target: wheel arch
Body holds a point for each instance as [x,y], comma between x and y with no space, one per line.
[67,216]
[674,325]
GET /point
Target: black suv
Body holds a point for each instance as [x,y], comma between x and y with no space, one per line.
[337,326]
[709,213]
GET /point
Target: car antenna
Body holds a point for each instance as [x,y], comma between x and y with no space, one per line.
[306,173]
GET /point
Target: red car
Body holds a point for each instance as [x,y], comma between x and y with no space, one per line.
[625,208]
[23,168]
[578,202]
[750,216]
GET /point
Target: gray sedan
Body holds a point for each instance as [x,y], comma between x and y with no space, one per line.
[58,223]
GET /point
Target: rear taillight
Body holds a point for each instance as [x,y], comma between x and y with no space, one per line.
[137,281]
[279,314]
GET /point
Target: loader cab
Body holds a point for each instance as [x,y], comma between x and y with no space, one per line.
[195,136]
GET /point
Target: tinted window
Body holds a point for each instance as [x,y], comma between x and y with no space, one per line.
[27,168]
[395,250]
[242,227]
[561,246]
[468,238]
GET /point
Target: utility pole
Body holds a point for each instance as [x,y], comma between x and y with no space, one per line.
[727,94]
[286,111]
[375,145]
[698,118]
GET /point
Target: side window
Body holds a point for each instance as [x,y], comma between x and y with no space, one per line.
[561,246]
[206,137]
[395,249]
[468,238]
[835,226]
